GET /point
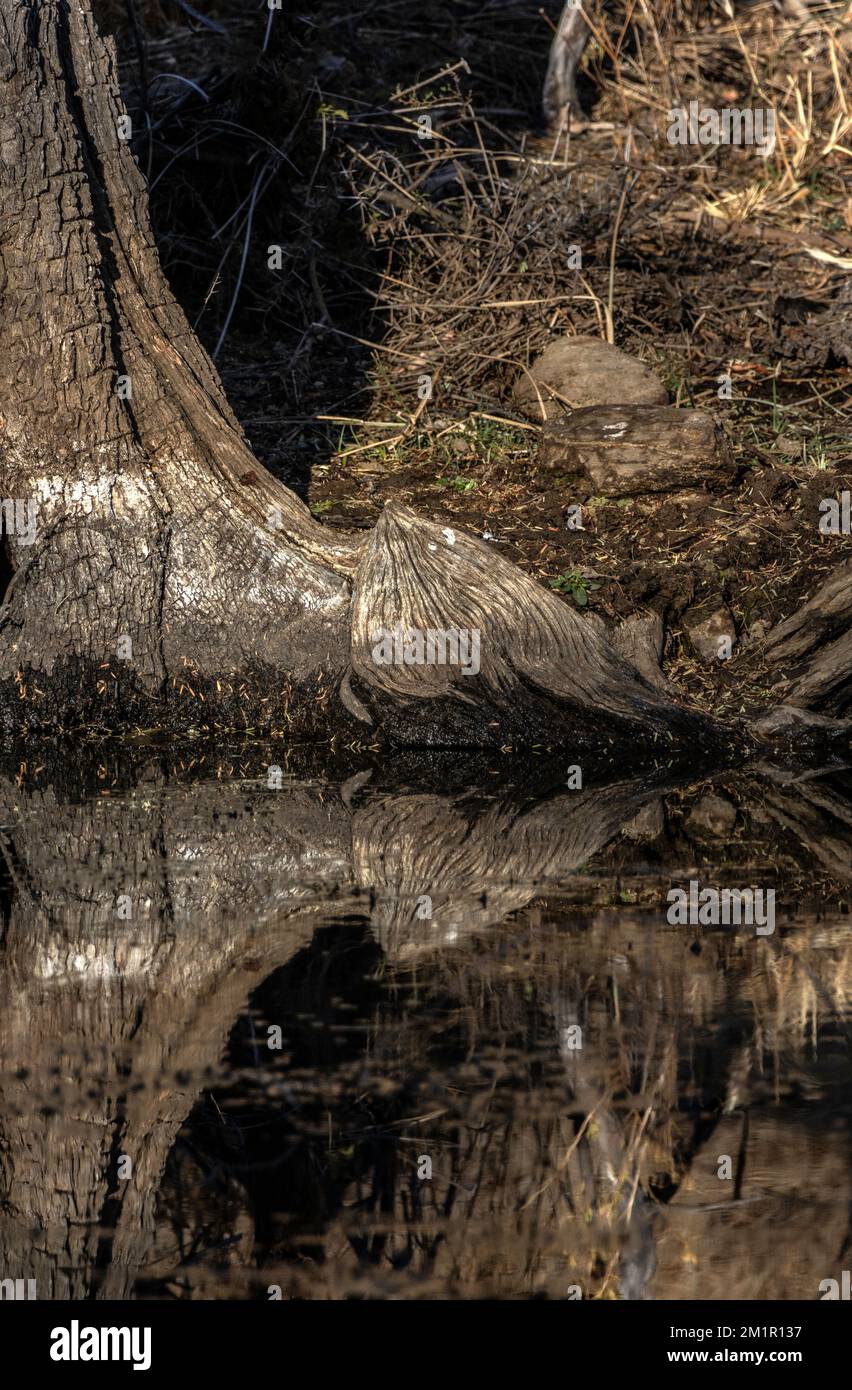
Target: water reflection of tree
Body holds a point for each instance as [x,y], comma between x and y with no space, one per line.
[552,1168]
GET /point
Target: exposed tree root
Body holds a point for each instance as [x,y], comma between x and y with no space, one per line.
[812,649]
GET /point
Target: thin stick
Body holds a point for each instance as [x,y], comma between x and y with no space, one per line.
[233,304]
[612,250]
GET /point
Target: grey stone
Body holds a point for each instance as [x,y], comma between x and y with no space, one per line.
[585,371]
[703,631]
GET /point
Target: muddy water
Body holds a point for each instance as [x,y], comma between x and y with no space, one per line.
[418,1033]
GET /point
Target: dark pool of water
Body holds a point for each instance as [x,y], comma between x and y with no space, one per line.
[390,1033]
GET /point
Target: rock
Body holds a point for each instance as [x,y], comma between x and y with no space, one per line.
[713,817]
[585,371]
[692,501]
[706,632]
[628,450]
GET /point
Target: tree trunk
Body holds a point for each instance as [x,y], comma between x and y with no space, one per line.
[170,579]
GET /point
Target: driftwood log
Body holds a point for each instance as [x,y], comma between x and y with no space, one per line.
[631,450]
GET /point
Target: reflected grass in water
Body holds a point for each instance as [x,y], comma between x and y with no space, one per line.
[154,936]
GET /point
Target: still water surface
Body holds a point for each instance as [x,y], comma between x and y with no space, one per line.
[420,1032]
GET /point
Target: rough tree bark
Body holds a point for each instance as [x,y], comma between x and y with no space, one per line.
[172,580]
[812,649]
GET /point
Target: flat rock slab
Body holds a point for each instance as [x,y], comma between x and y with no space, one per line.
[628,450]
[584,371]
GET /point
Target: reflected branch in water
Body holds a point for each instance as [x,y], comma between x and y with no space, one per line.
[147,932]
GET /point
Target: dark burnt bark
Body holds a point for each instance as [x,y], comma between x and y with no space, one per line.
[171,579]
